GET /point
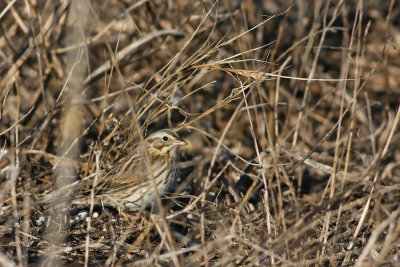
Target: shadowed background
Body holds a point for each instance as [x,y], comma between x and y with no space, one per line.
[290,108]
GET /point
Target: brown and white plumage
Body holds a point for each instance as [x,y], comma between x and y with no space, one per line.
[129,184]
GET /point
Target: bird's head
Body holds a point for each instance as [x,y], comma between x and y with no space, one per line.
[164,142]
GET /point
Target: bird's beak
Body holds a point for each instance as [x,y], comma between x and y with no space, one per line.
[180,142]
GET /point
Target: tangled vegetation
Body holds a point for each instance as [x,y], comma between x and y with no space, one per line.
[291,109]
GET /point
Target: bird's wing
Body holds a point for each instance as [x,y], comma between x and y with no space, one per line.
[130,171]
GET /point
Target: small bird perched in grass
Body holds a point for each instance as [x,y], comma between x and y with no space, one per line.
[129,184]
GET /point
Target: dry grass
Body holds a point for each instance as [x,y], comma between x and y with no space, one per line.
[291,111]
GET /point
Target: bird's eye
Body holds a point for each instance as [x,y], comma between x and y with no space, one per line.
[165,138]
